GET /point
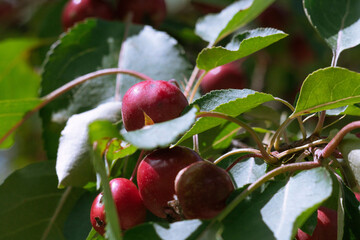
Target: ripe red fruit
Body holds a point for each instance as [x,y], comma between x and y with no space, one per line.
[151,12]
[130,208]
[223,77]
[326,227]
[78,10]
[202,190]
[160,100]
[156,175]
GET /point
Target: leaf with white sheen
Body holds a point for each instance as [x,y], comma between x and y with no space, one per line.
[240,46]
[328,88]
[73,165]
[155,54]
[350,148]
[11,112]
[248,171]
[232,102]
[281,209]
[161,134]
[214,27]
[338,22]
[32,205]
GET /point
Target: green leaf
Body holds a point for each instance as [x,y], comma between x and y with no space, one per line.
[350,148]
[214,27]
[33,206]
[352,215]
[94,235]
[73,165]
[338,22]
[11,112]
[328,88]
[248,171]
[161,134]
[240,46]
[281,208]
[232,102]
[155,54]
[188,229]
[17,79]
[87,47]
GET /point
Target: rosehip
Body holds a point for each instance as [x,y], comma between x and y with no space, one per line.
[78,10]
[156,175]
[151,12]
[160,100]
[202,190]
[130,208]
[223,77]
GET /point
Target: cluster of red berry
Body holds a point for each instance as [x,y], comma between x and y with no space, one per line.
[174,183]
[143,11]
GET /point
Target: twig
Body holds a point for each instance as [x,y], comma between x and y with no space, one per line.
[237,151]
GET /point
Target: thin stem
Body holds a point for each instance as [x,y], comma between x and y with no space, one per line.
[128,20]
[320,124]
[68,86]
[237,151]
[196,143]
[196,87]
[332,145]
[336,121]
[297,149]
[277,133]
[270,159]
[242,158]
[142,153]
[262,180]
[302,128]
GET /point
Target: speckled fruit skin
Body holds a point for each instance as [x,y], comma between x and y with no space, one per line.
[130,208]
[326,227]
[223,77]
[160,100]
[156,175]
[202,190]
[78,10]
[151,12]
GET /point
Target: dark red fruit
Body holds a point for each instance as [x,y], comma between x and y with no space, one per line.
[326,227]
[130,208]
[151,12]
[160,100]
[223,77]
[78,10]
[300,50]
[156,175]
[275,16]
[202,190]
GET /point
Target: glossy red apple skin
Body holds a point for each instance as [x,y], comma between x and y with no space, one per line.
[151,12]
[130,208]
[78,10]
[224,77]
[160,100]
[202,190]
[156,175]
[326,227]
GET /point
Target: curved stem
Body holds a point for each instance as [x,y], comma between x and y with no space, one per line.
[237,151]
[262,180]
[320,124]
[332,145]
[301,125]
[196,87]
[277,133]
[142,153]
[297,149]
[68,86]
[191,81]
[269,159]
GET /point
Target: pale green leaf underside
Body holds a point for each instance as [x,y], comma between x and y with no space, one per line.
[241,46]
[232,102]
[338,22]
[328,88]
[161,134]
[11,112]
[214,27]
